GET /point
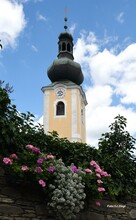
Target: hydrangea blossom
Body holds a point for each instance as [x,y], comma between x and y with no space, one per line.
[40,161]
[97,203]
[13,156]
[36,150]
[68,194]
[38,170]
[93,163]
[98,175]
[50,157]
[101,189]
[7,160]
[99,181]
[51,169]
[41,182]
[24,168]
[88,170]
[74,169]
[29,146]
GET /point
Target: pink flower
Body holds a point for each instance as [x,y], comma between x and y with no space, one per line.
[101,189]
[41,182]
[13,156]
[98,175]
[98,170]
[7,160]
[29,146]
[40,161]
[99,181]
[98,203]
[38,170]
[88,170]
[92,163]
[24,168]
[50,157]
[104,173]
[51,169]
[74,169]
[36,150]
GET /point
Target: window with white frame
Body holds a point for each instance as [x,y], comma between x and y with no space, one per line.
[60,108]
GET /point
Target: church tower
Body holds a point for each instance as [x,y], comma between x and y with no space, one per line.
[64,98]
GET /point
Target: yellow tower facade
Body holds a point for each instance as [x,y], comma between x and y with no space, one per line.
[64,110]
[64,98]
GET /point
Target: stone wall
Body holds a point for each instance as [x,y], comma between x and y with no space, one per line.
[20,203]
[110,211]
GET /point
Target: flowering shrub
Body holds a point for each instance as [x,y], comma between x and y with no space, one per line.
[68,191]
[95,182]
[68,186]
[33,162]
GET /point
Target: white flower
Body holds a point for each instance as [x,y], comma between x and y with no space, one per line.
[68,194]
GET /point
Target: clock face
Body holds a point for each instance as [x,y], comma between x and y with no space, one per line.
[60,92]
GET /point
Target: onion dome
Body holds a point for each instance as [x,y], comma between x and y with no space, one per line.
[65,68]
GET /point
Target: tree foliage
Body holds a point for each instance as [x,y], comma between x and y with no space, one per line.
[16,129]
[116,154]
[117,141]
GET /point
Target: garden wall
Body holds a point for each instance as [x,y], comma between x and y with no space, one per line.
[20,203]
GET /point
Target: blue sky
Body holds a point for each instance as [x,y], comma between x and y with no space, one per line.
[105,46]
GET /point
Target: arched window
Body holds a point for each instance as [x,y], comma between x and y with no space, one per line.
[63,46]
[68,47]
[60,108]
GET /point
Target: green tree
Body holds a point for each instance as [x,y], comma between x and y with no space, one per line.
[16,129]
[116,155]
[70,152]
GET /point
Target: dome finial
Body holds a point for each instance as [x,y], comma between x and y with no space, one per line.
[65,19]
[65,26]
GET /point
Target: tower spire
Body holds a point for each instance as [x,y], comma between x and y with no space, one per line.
[65,68]
[65,19]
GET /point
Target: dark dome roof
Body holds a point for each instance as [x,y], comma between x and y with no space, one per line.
[65,35]
[65,69]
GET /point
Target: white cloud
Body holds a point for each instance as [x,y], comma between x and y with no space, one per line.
[120,18]
[23,1]
[127,90]
[113,83]
[40,17]
[72,29]
[34,48]
[38,1]
[40,121]
[12,22]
